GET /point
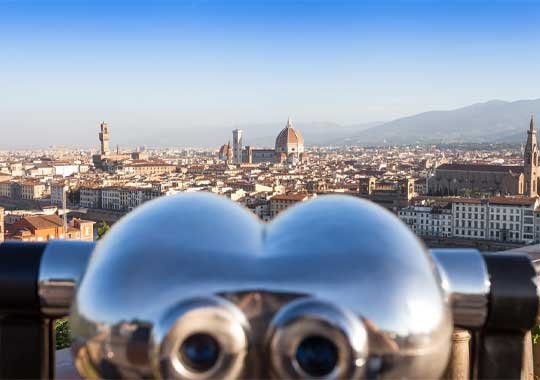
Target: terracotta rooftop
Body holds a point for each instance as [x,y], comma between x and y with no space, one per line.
[469,200]
[289,135]
[518,201]
[511,201]
[147,164]
[289,197]
[481,168]
[44,221]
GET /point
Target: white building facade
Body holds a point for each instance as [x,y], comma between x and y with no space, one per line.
[507,219]
[428,221]
[90,197]
[504,219]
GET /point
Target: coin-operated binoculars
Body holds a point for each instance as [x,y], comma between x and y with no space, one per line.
[195,287]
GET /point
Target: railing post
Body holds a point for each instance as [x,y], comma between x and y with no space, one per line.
[459,364]
[527,369]
[26,336]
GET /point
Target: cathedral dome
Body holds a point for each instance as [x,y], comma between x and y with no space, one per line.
[289,140]
[225,152]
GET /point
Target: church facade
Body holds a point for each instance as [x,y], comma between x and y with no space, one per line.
[289,148]
[455,179]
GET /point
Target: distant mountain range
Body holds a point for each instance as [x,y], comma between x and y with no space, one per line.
[315,133]
[495,121]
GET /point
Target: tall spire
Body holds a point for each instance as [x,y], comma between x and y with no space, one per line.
[531,128]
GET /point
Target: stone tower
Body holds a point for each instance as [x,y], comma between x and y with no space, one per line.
[531,163]
[237,146]
[104,138]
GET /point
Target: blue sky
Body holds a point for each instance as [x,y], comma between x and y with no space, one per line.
[179,68]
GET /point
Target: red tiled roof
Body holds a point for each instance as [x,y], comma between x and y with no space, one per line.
[289,197]
[481,168]
[289,135]
[468,201]
[44,221]
[518,201]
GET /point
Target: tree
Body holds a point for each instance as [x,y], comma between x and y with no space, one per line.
[102,229]
[63,333]
[536,334]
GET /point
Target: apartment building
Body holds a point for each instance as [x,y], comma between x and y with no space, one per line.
[508,219]
[58,191]
[30,190]
[49,227]
[124,198]
[148,168]
[512,218]
[117,198]
[131,197]
[5,189]
[498,218]
[427,220]
[80,229]
[33,190]
[281,202]
[65,169]
[470,218]
[90,197]
[40,170]
[110,198]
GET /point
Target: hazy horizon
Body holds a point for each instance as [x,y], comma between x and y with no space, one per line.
[158,71]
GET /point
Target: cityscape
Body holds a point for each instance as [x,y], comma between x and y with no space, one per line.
[483,196]
[269,189]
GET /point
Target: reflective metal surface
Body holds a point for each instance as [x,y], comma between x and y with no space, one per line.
[536,264]
[465,279]
[307,318]
[214,317]
[346,253]
[62,265]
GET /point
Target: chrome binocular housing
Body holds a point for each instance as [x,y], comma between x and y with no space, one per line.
[196,287]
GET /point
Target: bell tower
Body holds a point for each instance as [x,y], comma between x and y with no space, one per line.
[530,168]
[104,138]
[237,146]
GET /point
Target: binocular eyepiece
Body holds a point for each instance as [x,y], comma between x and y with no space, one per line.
[208,338]
[196,287]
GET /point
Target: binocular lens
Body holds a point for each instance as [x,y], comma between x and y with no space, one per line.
[317,356]
[200,352]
